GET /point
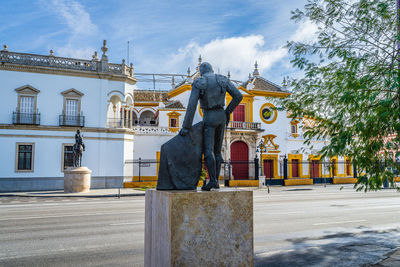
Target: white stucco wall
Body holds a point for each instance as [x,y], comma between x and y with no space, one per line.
[105,152]
[94,102]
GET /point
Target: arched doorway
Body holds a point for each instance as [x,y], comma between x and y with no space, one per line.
[147,118]
[240,160]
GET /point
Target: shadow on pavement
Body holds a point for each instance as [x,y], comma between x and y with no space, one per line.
[342,249]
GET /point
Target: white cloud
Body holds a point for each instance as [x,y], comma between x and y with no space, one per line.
[74,16]
[79,27]
[235,54]
[305,32]
[238,54]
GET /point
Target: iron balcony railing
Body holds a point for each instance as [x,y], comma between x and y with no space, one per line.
[26,118]
[66,120]
[245,125]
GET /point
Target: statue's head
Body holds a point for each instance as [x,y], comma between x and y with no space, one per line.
[78,131]
[205,67]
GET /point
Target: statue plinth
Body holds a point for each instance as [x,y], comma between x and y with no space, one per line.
[261,182]
[191,228]
[77,180]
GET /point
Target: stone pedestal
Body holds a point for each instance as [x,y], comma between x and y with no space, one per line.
[261,182]
[193,228]
[77,180]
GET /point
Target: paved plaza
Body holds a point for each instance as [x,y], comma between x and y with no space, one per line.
[293,226]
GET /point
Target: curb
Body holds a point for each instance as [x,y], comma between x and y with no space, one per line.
[72,196]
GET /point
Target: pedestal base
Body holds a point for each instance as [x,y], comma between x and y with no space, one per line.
[190,228]
[261,182]
[77,180]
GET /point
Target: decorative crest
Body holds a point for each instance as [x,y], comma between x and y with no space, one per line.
[173,82]
[255,72]
[52,53]
[284,83]
[104,48]
[5,48]
[94,57]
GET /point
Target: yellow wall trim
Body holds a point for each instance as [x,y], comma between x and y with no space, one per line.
[146,184]
[173,115]
[180,90]
[243,183]
[247,101]
[274,110]
[269,94]
[300,165]
[298,182]
[275,159]
[146,104]
[344,180]
[144,178]
[139,184]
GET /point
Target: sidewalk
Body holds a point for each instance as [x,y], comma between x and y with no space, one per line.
[114,192]
[393,260]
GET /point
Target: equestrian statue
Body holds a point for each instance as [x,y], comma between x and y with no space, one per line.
[78,149]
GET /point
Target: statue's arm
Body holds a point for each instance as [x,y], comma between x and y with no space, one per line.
[190,110]
[236,97]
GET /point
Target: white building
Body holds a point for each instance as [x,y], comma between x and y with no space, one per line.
[47,98]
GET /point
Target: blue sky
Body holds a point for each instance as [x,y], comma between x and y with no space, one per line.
[165,36]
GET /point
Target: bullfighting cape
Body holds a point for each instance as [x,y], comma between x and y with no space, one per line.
[181,161]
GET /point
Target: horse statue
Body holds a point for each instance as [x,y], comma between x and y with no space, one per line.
[78,149]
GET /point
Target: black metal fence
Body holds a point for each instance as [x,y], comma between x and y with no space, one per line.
[320,171]
[275,173]
[147,170]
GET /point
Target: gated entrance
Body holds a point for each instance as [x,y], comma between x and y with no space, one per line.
[239,159]
[269,168]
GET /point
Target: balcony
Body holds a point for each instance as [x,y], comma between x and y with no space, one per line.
[118,123]
[66,120]
[26,118]
[244,125]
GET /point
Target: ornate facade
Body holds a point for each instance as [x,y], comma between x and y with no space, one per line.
[48,97]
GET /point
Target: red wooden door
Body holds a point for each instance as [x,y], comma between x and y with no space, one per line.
[269,168]
[295,168]
[348,167]
[315,169]
[240,159]
[238,113]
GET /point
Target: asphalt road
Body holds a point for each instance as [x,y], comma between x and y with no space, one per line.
[294,226]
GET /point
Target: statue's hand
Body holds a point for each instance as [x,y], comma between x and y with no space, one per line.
[184,131]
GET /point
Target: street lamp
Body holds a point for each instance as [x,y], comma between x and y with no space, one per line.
[261,147]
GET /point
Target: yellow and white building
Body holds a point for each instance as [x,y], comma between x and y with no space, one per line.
[47,98]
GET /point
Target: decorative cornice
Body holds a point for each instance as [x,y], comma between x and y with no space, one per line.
[29,87]
[66,129]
